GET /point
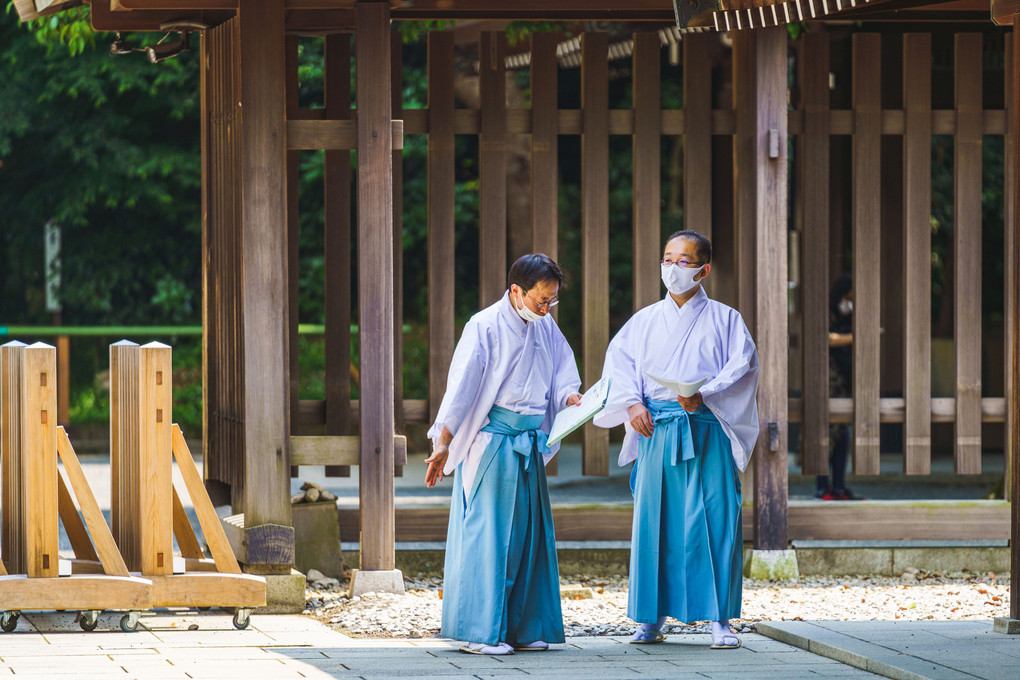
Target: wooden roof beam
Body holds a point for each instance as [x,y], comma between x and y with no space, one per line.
[539,10]
[33,9]
[158,5]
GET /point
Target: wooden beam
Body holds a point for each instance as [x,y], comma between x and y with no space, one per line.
[916,257]
[74,527]
[397,89]
[867,190]
[294,235]
[537,10]
[492,155]
[771,488]
[697,144]
[745,192]
[441,209]
[1013,323]
[544,145]
[375,282]
[264,295]
[967,251]
[38,474]
[646,161]
[313,450]
[813,150]
[333,134]
[893,410]
[595,232]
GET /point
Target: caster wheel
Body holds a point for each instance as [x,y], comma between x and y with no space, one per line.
[129,622]
[9,621]
[242,618]
[88,619]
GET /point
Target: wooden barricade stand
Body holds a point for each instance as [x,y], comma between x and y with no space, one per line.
[36,496]
[146,507]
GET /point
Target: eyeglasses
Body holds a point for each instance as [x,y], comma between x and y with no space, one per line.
[548,305]
[682,262]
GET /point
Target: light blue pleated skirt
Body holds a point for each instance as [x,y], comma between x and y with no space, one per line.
[501,580]
[686,552]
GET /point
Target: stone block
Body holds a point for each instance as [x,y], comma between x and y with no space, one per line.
[976,560]
[576,592]
[771,565]
[845,561]
[378,581]
[1004,624]
[317,538]
[285,593]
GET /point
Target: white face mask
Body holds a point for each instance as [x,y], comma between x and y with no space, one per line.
[679,280]
[846,307]
[524,312]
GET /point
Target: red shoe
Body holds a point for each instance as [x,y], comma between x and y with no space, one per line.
[848,495]
[830,495]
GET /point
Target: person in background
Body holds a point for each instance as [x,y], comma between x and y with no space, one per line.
[512,372]
[687,540]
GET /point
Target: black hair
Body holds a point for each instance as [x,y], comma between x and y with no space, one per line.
[531,269]
[701,244]
[840,287]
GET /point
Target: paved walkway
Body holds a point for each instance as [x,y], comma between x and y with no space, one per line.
[908,650]
[281,647]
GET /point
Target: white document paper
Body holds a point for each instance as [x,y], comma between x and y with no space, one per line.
[684,389]
[573,417]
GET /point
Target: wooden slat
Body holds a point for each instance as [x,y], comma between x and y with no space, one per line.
[893,410]
[595,232]
[74,527]
[11,355]
[124,448]
[866,235]
[813,150]
[375,283]
[338,283]
[187,541]
[332,135]
[771,488]
[492,155]
[544,145]
[967,251]
[313,412]
[152,469]
[397,88]
[697,137]
[39,459]
[294,236]
[1009,299]
[916,255]
[645,157]
[441,166]
[312,450]
[219,547]
[1013,323]
[105,550]
[745,193]
[264,299]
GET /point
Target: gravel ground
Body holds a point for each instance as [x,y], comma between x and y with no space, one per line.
[911,596]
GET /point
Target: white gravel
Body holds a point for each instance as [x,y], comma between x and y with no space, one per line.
[911,596]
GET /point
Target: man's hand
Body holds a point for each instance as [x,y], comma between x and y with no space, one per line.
[436,462]
[641,420]
[691,404]
[574,400]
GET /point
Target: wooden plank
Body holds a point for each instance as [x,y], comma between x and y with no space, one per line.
[595,233]
[124,448]
[697,135]
[397,89]
[264,300]
[78,592]
[39,459]
[771,336]
[11,355]
[63,379]
[967,251]
[219,547]
[339,282]
[744,188]
[813,149]
[74,527]
[646,161]
[916,256]
[333,450]
[441,181]
[1013,323]
[313,412]
[544,145]
[294,236]
[205,589]
[866,183]
[492,154]
[187,541]
[105,551]
[152,475]
[1008,194]
[332,135]
[892,410]
[375,283]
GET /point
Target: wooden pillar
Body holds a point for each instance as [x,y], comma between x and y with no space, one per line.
[745,194]
[544,146]
[595,231]
[264,295]
[814,183]
[646,159]
[397,90]
[1013,323]
[697,135]
[492,265]
[375,282]
[769,47]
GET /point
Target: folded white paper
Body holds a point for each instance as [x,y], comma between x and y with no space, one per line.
[573,417]
[684,389]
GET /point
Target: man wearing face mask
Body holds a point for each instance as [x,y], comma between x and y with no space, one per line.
[687,540]
[512,372]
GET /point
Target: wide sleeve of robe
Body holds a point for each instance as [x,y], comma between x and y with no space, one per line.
[626,389]
[464,380]
[732,394]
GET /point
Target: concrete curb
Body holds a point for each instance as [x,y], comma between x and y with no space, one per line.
[856,652]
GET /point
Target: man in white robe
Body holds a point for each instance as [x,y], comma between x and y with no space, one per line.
[512,372]
[687,538]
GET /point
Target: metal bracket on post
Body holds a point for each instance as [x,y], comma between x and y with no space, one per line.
[773,438]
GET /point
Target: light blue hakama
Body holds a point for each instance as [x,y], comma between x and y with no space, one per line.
[686,553]
[501,581]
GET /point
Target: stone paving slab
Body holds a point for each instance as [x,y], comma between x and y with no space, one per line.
[907,650]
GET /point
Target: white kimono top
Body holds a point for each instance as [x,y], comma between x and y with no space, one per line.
[702,339]
[501,360]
